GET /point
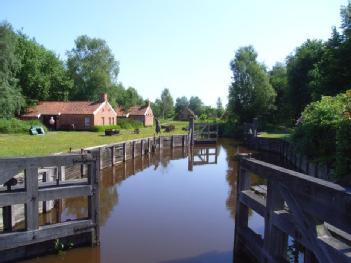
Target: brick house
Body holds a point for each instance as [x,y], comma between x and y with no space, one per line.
[73,115]
[185,114]
[143,114]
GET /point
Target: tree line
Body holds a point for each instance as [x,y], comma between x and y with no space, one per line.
[29,72]
[316,68]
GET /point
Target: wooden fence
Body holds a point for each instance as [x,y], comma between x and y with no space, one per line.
[17,243]
[286,150]
[314,212]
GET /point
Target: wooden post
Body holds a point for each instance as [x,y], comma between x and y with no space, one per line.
[191,129]
[172,141]
[242,211]
[275,241]
[148,145]
[113,155]
[142,147]
[93,200]
[183,141]
[44,202]
[133,150]
[124,152]
[101,149]
[31,207]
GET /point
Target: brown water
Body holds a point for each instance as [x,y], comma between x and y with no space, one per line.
[166,207]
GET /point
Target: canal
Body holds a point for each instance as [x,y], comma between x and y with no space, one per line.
[165,207]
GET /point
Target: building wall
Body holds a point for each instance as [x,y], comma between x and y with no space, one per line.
[149,117]
[78,121]
[106,116]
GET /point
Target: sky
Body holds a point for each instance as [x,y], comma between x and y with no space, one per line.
[183,45]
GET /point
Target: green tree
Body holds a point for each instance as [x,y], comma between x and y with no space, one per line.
[167,107]
[42,75]
[181,103]
[250,94]
[93,68]
[11,99]
[196,105]
[157,108]
[300,71]
[279,81]
[219,109]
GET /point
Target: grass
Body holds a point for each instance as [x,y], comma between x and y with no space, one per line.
[55,142]
[274,135]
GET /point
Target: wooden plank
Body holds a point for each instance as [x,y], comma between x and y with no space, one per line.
[31,207]
[253,201]
[44,233]
[12,198]
[10,165]
[64,192]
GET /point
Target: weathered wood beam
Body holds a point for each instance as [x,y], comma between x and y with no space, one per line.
[44,233]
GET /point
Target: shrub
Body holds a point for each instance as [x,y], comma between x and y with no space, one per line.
[129,124]
[121,124]
[14,125]
[322,131]
[102,128]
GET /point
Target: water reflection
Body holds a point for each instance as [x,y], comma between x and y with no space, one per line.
[155,209]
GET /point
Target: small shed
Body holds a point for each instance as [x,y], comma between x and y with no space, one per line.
[185,114]
[143,114]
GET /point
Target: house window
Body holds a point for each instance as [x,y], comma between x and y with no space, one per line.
[109,120]
[113,121]
[87,122]
[103,120]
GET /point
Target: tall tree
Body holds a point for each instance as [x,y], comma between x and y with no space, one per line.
[196,105]
[181,103]
[167,106]
[42,75]
[11,99]
[219,109]
[250,94]
[93,68]
[300,67]
[279,81]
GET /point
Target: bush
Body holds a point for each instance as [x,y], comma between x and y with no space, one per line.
[129,124]
[14,125]
[323,127]
[121,124]
[102,128]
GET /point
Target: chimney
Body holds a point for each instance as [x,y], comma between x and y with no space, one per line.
[103,97]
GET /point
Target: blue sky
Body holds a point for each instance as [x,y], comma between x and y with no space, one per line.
[183,45]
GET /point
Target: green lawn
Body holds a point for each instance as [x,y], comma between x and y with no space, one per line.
[55,142]
[273,135]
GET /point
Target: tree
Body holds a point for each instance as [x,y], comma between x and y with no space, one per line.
[250,94]
[300,67]
[42,75]
[11,99]
[167,107]
[196,105]
[93,68]
[219,109]
[279,81]
[181,103]
[157,108]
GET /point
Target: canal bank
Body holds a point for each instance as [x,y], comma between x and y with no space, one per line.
[153,209]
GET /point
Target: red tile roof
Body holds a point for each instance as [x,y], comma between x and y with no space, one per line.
[62,107]
[134,110]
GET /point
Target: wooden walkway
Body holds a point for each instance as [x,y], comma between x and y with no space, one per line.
[316,213]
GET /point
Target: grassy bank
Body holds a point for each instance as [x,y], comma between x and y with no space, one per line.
[54,142]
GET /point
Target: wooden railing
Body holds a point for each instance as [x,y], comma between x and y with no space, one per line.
[316,213]
[33,191]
